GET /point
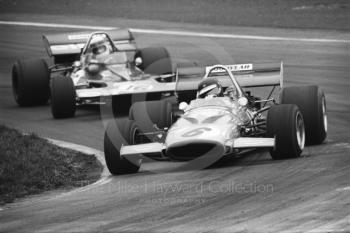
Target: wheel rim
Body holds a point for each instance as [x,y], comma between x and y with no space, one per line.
[137,138]
[300,131]
[324,114]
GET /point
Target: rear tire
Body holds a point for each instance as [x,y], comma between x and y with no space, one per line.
[63,97]
[312,104]
[116,135]
[285,123]
[187,70]
[155,61]
[150,113]
[186,64]
[121,105]
[186,96]
[30,82]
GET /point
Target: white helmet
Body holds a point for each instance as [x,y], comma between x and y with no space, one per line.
[100,46]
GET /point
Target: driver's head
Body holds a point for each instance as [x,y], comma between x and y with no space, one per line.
[100,46]
[209,87]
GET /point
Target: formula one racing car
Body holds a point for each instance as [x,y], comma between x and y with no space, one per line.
[217,117]
[89,67]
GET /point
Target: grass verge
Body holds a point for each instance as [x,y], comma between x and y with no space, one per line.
[31,165]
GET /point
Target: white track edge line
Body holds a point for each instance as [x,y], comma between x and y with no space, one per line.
[105,176]
[176,33]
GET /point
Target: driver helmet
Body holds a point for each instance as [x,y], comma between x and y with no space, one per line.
[209,87]
[100,46]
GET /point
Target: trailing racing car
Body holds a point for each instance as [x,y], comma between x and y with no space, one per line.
[218,117]
[89,67]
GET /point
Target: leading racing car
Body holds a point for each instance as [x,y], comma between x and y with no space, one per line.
[89,67]
[217,117]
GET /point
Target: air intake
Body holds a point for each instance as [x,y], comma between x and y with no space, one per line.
[189,151]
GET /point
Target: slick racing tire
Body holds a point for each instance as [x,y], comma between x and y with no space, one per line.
[187,64]
[188,95]
[155,60]
[149,114]
[312,104]
[116,135]
[30,82]
[63,97]
[121,105]
[285,123]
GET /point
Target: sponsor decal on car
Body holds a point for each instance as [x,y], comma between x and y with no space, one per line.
[232,68]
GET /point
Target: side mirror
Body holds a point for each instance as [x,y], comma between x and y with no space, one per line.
[183,106]
[138,61]
[242,101]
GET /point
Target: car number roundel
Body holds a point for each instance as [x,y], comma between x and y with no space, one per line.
[196,132]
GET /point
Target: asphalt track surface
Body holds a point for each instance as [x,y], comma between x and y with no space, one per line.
[309,194]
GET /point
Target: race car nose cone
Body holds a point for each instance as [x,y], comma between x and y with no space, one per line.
[206,132]
[188,150]
[186,143]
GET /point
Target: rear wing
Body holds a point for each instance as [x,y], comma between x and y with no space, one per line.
[247,75]
[70,44]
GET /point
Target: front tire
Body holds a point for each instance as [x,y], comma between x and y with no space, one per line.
[150,113]
[116,135]
[285,123]
[30,82]
[63,97]
[186,70]
[155,60]
[312,104]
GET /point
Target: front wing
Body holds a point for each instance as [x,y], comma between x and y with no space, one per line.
[127,88]
[237,143]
